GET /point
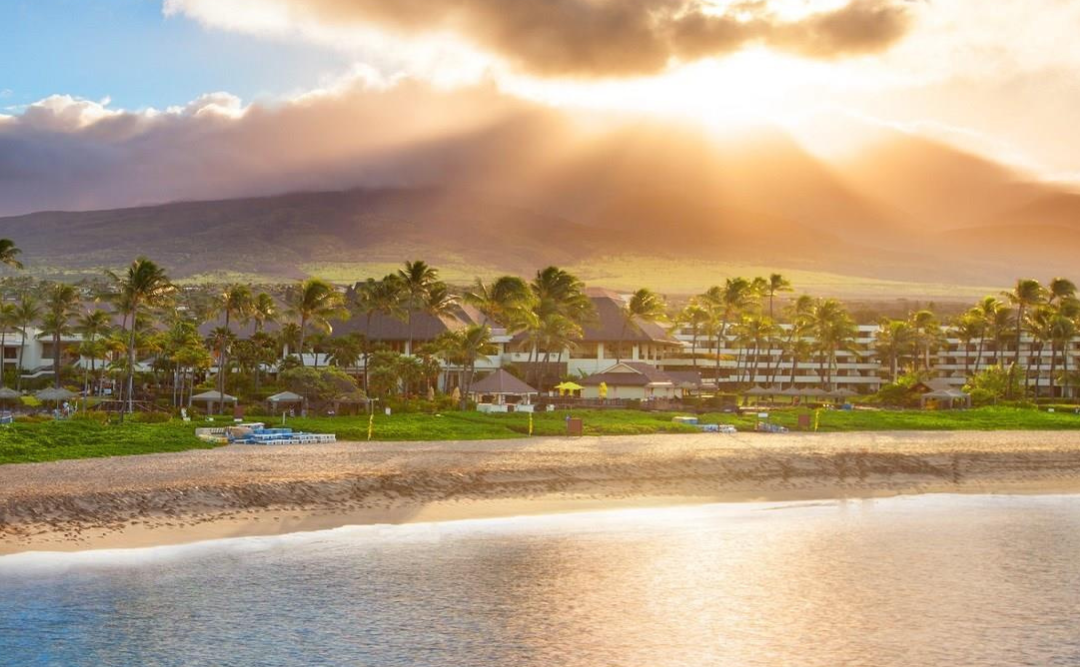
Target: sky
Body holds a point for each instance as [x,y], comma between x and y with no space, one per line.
[119,102]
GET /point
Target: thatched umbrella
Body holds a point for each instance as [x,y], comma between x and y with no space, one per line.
[9,394]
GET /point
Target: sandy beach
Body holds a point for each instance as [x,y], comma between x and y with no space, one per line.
[244,490]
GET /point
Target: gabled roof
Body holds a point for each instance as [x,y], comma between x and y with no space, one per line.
[502,382]
[934,385]
[630,373]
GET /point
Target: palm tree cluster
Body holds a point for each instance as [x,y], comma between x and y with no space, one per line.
[548,313]
[738,321]
[992,333]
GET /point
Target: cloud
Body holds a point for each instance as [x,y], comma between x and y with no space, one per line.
[69,153]
[581,38]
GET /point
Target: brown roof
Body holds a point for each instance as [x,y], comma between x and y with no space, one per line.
[643,374]
[502,382]
[425,327]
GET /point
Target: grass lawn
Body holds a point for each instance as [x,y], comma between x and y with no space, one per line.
[49,441]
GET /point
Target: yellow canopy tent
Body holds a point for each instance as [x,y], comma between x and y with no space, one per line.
[568,387]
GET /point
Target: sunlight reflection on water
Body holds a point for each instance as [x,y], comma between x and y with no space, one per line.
[932,580]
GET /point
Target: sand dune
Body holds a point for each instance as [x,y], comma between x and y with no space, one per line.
[238,490]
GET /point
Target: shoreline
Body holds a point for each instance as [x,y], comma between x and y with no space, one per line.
[237,491]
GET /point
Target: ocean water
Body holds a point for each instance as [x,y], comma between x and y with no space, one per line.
[930,580]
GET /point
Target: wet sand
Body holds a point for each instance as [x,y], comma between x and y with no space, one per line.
[245,490]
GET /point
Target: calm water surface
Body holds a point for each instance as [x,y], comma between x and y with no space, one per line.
[935,580]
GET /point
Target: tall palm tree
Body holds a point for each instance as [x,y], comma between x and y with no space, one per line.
[798,313]
[833,330]
[927,330]
[417,279]
[376,297]
[92,325]
[465,347]
[695,317]
[27,312]
[643,305]
[239,301]
[895,340]
[143,284]
[560,310]
[1025,295]
[9,254]
[968,327]
[60,306]
[773,286]
[315,302]
[724,303]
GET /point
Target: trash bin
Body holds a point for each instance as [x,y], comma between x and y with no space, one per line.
[574,426]
[804,422]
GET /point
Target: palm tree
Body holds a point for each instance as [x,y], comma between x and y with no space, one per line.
[1026,294]
[968,327]
[775,284]
[799,317]
[560,310]
[92,325]
[833,330]
[695,317]
[417,279]
[724,303]
[644,305]
[895,340]
[382,297]
[927,332]
[9,254]
[263,310]
[499,301]
[221,339]
[144,283]
[465,346]
[237,300]
[315,302]
[439,301]
[56,323]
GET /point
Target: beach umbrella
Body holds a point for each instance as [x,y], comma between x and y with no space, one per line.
[213,397]
[53,394]
[757,391]
[456,396]
[9,394]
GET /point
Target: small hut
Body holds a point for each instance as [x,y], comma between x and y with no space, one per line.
[500,385]
[941,394]
[213,399]
[278,402]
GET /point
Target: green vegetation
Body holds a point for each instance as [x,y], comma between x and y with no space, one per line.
[33,441]
[48,440]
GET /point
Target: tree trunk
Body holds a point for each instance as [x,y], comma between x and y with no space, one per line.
[131,360]
[22,350]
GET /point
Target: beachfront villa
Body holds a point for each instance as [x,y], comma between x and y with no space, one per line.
[631,380]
